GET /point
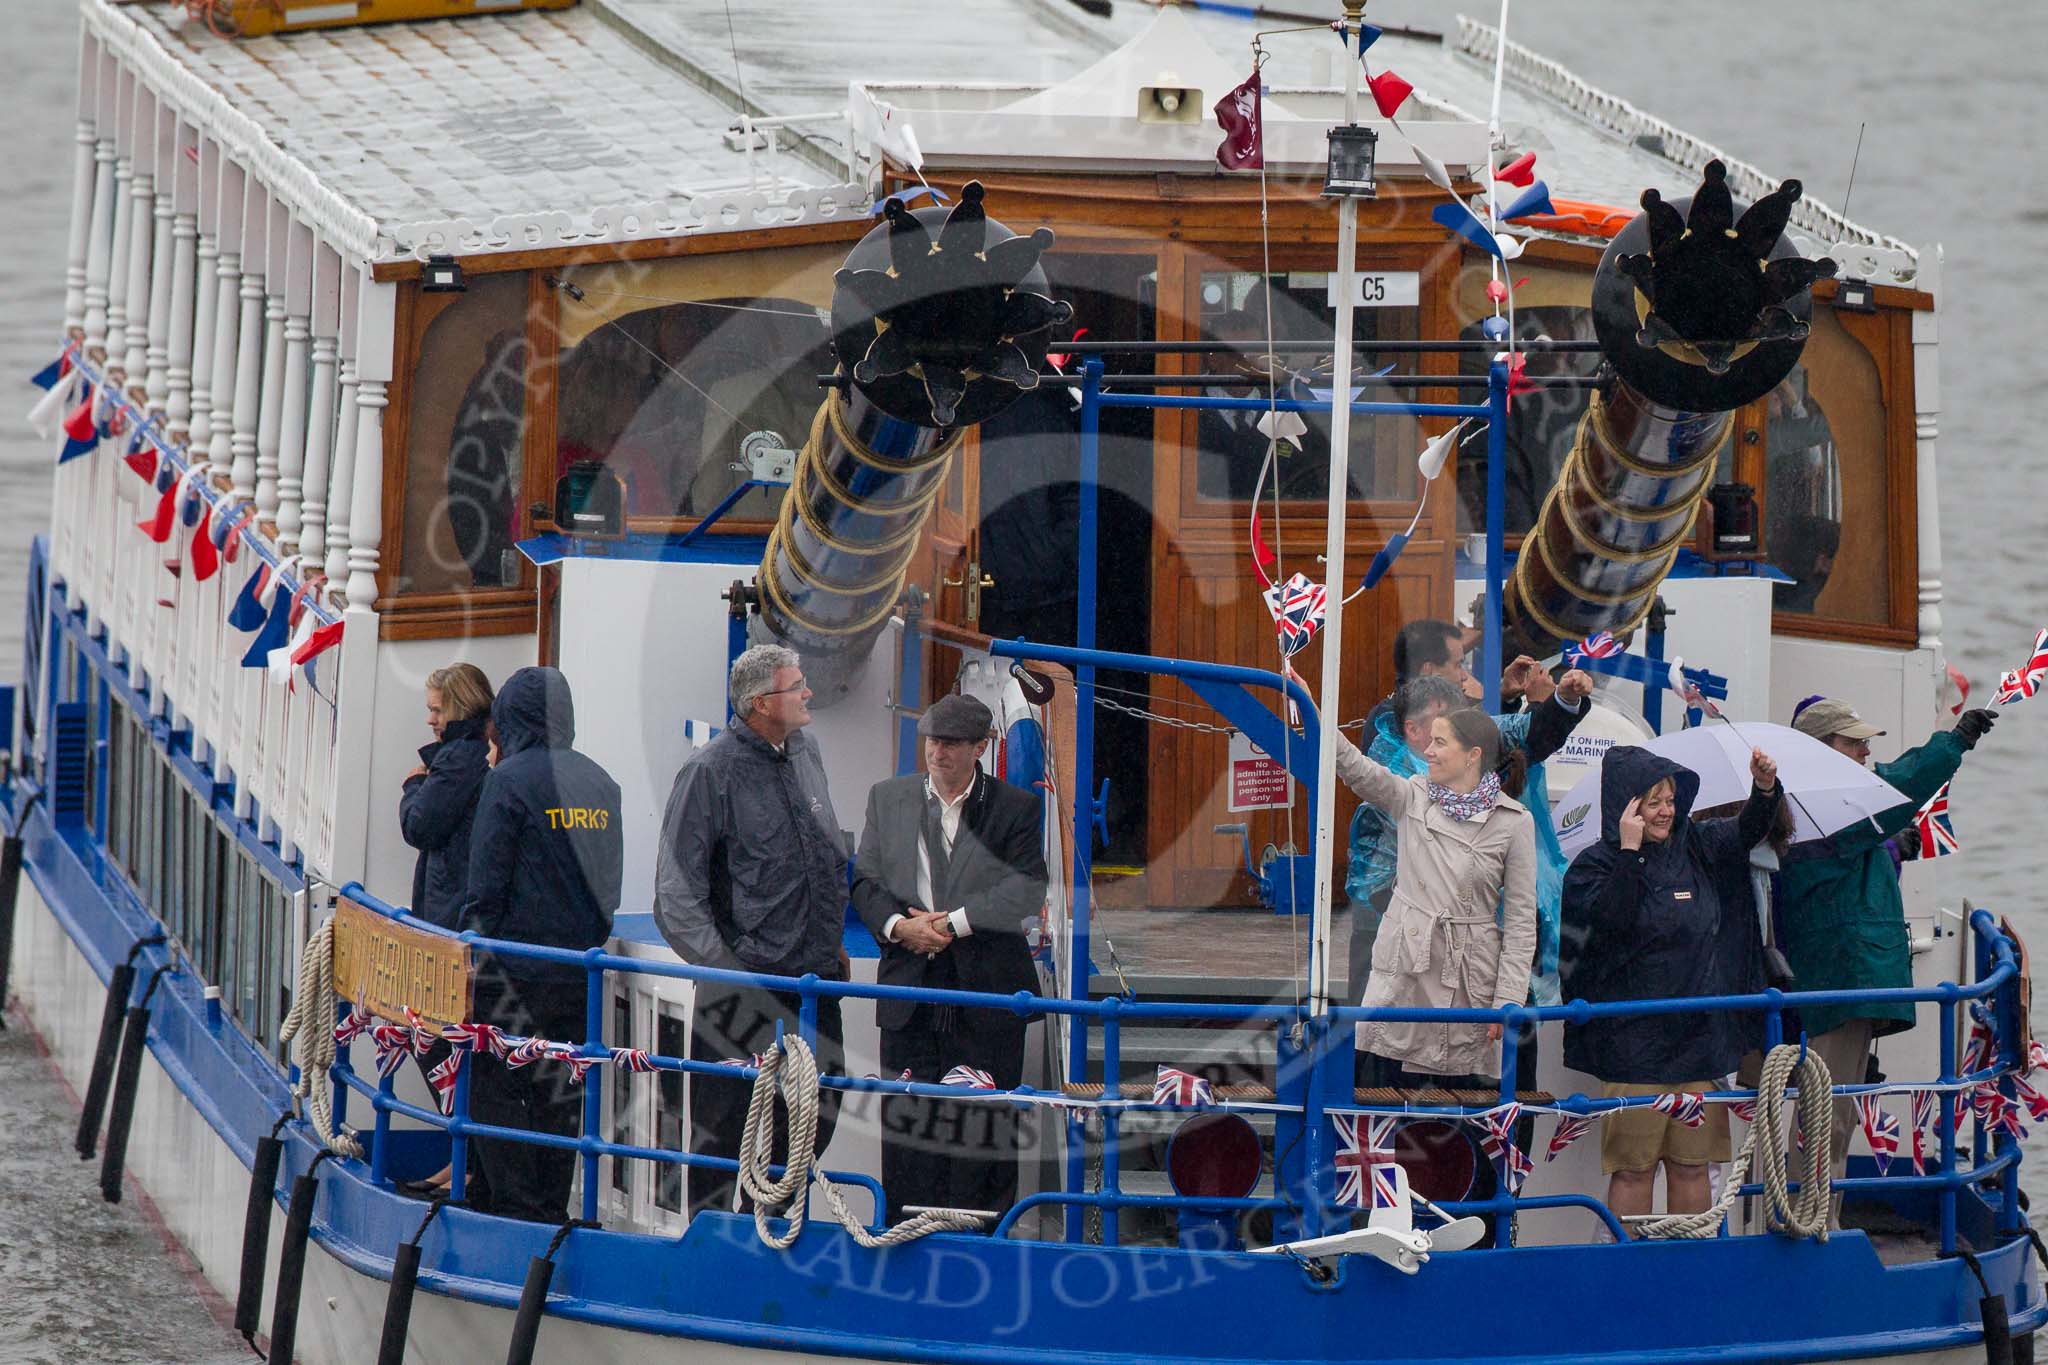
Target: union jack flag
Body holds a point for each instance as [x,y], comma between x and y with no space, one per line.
[395,1041]
[1924,1112]
[353,1027]
[973,1078]
[1937,835]
[1682,1107]
[1298,607]
[756,1060]
[1181,1088]
[571,1056]
[1374,1154]
[1880,1130]
[1743,1109]
[1570,1128]
[1499,1143]
[1976,1055]
[2032,1098]
[632,1059]
[2022,682]
[1599,646]
[525,1051]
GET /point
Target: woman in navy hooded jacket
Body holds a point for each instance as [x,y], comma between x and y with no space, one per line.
[545,861]
[439,804]
[1659,909]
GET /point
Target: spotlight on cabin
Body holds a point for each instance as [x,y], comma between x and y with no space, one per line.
[442,276]
[1353,149]
[1856,296]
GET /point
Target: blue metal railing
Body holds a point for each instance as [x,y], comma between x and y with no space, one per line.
[1997,988]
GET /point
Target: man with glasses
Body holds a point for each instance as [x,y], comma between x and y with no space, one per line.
[751,876]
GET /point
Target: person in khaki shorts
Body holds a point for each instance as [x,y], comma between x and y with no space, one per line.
[1658,909]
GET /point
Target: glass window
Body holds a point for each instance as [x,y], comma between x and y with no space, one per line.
[249,946]
[622,1087]
[152,822]
[117,788]
[1826,466]
[174,850]
[668,1111]
[93,720]
[197,845]
[666,366]
[220,934]
[1541,427]
[1231,449]
[465,441]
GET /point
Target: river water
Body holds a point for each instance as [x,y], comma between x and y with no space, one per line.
[1951,159]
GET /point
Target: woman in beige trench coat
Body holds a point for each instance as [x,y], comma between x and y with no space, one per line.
[1461,930]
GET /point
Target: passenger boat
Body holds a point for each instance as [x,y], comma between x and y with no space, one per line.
[534,335]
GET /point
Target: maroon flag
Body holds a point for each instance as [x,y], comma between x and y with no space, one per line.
[1244,144]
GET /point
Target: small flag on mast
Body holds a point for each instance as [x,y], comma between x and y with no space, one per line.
[1244,146]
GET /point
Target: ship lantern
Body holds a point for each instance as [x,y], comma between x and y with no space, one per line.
[1353,149]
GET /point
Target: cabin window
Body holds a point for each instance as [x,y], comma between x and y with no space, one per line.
[1541,427]
[118,798]
[622,1087]
[465,440]
[1231,450]
[1827,468]
[171,909]
[668,1110]
[197,825]
[666,367]
[219,907]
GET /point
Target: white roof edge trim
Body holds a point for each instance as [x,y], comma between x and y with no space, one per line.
[1613,114]
[344,226]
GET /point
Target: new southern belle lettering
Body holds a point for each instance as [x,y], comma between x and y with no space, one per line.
[384,968]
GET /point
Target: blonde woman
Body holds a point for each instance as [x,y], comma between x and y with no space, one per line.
[1460,931]
[441,793]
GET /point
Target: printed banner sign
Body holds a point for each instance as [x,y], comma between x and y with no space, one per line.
[384,968]
[1257,782]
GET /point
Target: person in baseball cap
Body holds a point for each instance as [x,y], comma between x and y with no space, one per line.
[1845,922]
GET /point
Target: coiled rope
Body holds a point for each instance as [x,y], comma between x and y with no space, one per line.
[1806,1213]
[791,1069]
[309,1028]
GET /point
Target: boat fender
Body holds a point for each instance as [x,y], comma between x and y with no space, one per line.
[127,1075]
[405,1277]
[291,1262]
[120,985]
[533,1299]
[10,892]
[1991,1311]
[256,1228]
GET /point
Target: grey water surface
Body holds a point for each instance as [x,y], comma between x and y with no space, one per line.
[1951,156]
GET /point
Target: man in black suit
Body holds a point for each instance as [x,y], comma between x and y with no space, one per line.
[950,871]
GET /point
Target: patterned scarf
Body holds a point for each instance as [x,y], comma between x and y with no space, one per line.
[1471,805]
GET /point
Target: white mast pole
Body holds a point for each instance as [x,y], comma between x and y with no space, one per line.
[1333,549]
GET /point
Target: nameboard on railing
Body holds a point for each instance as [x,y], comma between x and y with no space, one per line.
[385,967]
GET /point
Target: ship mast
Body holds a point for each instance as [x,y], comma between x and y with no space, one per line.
[1333,548]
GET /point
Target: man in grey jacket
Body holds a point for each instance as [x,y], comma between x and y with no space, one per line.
[751,876]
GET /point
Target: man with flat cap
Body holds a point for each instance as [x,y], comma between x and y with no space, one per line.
[1845,922]
[950,874]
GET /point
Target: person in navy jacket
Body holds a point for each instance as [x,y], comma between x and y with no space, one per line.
[545,862]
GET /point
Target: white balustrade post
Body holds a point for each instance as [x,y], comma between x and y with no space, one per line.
[141,235]
[298,334]
[205,298]
[100,234]
[249,342]
[82,176]
[270,421]
[341,479]
[156,387]
[124,223]
[376,316]
[227,314]
[326,320]
[178,328]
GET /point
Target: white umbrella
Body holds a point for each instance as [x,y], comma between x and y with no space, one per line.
[1832,790]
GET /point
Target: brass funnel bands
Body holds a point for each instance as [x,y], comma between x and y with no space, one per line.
[1611,527]
[849,527]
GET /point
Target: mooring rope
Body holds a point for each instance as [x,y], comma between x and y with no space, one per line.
[791,1069]
[309,1028]
[1804,1214]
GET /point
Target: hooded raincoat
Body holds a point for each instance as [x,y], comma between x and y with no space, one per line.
[1666,921]
[435,815]
[1460,931]
[545,855]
